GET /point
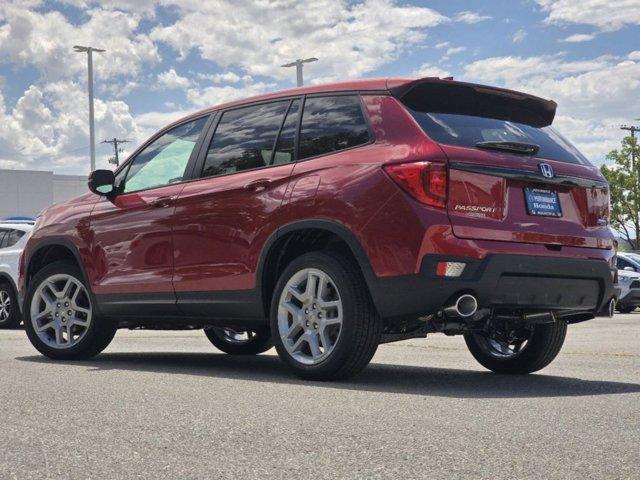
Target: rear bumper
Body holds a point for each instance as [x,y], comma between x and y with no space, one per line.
[515,281]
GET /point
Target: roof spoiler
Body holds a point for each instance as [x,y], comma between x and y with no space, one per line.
[437,95]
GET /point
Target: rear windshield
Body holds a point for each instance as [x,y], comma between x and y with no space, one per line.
[466,131]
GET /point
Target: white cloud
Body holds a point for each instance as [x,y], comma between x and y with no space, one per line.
[429,70]
[48,128]
[442,45]
[580,37]
[350,39]
[45,40]
[593,95]
[519,36]
[471,17]
[170,80]
[604,14]
[453,50]
[215,95]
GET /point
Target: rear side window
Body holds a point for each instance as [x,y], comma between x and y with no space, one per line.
[330,124]
[245,139]
[8,238]
[285,147]
[467,131]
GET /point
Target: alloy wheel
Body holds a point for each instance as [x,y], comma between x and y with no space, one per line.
[5,305]
[310,316]
[61,311]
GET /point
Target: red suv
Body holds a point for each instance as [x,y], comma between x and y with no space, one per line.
[326,220]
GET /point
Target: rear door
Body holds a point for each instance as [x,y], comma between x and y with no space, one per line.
[223,219]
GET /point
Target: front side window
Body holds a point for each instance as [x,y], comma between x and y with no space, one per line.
[165,160]
[285,148]
[244,139]
[4,235]
[330,124]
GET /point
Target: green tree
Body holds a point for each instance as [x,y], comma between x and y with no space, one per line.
[623,176]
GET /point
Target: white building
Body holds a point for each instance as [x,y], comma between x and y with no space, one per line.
[27,192]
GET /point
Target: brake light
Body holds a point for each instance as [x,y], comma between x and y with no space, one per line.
[424,181]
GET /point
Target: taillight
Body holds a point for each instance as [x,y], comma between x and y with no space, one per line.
[424,181]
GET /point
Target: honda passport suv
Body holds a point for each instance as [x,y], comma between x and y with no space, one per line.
[327,220]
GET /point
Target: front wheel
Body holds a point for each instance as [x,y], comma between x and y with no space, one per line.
[517,351]
[240,342]
[60,318]
[323,322]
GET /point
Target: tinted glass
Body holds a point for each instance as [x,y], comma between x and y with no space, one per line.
[12,237]
[3,237]
[330,124]
[244,139]
[165,160]
[285,148]
[466,131]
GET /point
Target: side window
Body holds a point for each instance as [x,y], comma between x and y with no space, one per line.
[622,264]
[165,160]
[3,237]
[12,237]
[244,139]
[330,124]
[285,148]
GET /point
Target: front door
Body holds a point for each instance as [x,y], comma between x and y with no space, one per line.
[132,232]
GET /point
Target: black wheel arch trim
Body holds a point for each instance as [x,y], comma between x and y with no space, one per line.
[336,228]
[57,242]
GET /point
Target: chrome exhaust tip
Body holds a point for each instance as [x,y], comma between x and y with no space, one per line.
[465,306]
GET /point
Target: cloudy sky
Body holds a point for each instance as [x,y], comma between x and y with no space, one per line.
[169,57]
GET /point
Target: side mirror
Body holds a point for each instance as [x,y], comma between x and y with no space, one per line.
[629,269]
[101,182]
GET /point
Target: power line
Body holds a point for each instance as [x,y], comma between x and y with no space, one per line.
[115,160]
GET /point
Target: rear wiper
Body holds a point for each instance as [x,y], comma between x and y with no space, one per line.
[516,147]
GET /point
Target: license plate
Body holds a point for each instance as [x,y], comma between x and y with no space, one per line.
[543,203]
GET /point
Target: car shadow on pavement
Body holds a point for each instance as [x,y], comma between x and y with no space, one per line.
[377,377]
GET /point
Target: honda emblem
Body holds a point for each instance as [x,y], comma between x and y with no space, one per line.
[546,170]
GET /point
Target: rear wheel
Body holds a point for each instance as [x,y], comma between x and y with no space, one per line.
[240,342]
[60,319]
[323,322]
[517,350]
[9,311]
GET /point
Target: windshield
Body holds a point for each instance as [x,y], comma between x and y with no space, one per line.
[467,131]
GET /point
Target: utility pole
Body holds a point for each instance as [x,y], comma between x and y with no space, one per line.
[299,64]
[92,135]
[115,160]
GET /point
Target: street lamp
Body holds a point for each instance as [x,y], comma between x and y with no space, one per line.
[92,135]
[298,64]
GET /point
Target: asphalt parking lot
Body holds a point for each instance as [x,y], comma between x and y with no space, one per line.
[168,405]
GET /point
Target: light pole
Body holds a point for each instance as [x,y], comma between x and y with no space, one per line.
[298,64]
[92,135]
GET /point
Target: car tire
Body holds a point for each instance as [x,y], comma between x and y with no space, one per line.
[229,340]
[9,309]
[628,309]
[340,331]
[83,340]
[543,345]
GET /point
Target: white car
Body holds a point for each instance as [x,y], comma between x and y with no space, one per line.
[629,283]
[13,237]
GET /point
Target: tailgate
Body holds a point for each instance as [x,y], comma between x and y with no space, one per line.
[506,197]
